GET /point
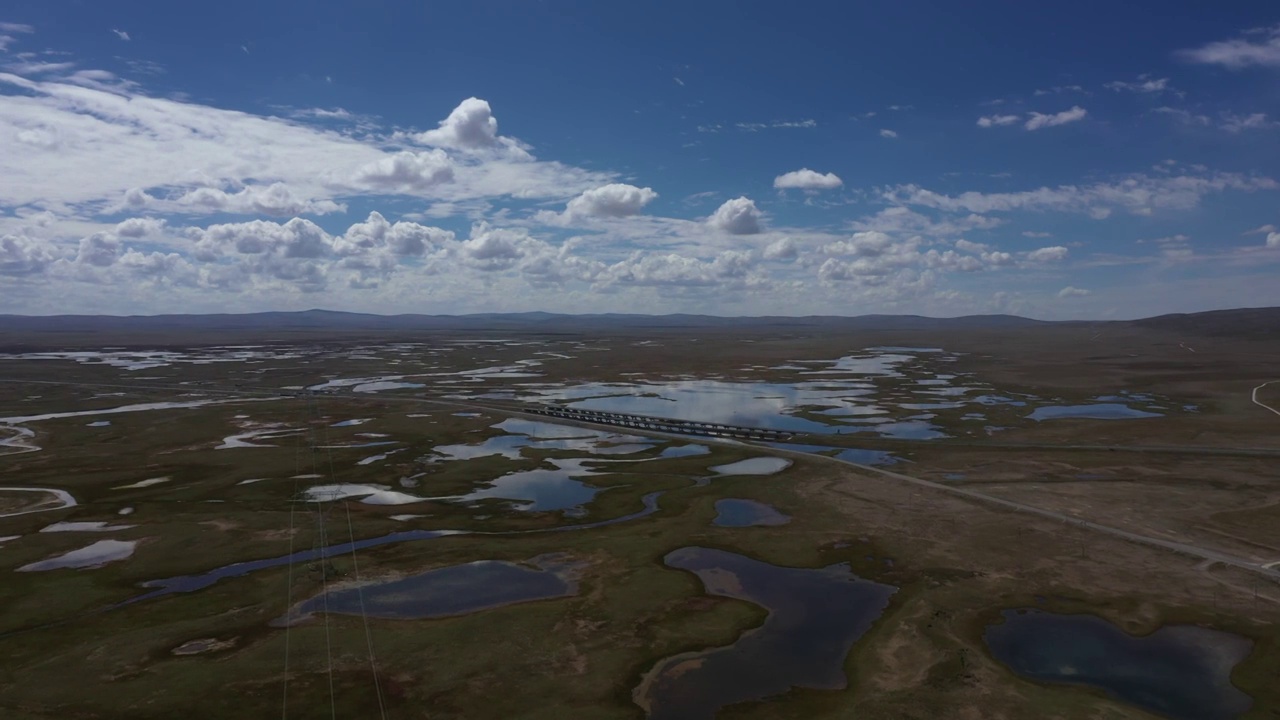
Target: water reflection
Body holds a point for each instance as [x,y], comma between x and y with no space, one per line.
[815,616]
[1180,671]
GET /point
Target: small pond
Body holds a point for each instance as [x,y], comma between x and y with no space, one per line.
[814,617]
[736,512]
[447,591]
[1092,411]
[753,466]
[1180,671]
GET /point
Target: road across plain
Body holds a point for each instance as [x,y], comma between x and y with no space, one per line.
[1254,396]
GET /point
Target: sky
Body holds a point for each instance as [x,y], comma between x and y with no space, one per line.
[1085,160]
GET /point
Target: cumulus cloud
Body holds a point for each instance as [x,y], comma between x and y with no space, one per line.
[471,125]
[988,121]
[140,227]
[406,171]
[728,269]
[781,249]
[806,179]
[297,238]
[1273,240]
[21,255]
[614,200]
[1040,120]
[401,238]
[275,199]
[1259,47]
[1072,292]
[738,216]
[98,249]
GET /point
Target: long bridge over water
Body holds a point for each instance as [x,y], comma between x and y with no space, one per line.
[659,424]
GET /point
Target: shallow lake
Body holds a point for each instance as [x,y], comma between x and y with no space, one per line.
[1179,671]
[814,617]
[753,466]
[447,591]
[95,555]
[736,512]
[1093,411]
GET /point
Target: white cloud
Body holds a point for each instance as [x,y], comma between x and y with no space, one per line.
[1071,292]
[98,249]
[1233,123]
[21,255]
[1184,116]
[1240,53]
[1139,194]
[1264,229]
[275,199]
[903,220]
[997,120]
[406,172]
[1273,240]
[121,34]
[806,179]
[1035,234]
[888,134]
[1144,84]
[1040,120]
[754,127]
[401,238]
[1047,254]
[123,147]
[614,200]
[8,30]
[781,249]
[738,216]
[140,227]
[471,126]
[1173,247]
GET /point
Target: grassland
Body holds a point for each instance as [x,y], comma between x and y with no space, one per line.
[957,562]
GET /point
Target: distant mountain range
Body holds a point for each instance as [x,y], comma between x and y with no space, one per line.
[1246,321]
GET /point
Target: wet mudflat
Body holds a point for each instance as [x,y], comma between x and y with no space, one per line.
[1180,671]
[815,616]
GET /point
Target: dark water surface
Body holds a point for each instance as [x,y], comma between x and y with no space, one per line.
[453,590]
[815,616]
[736,512]
[1179,671]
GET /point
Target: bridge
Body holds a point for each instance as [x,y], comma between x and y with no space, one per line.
[660,424]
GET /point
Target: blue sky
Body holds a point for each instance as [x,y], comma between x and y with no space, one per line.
[1084,160]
